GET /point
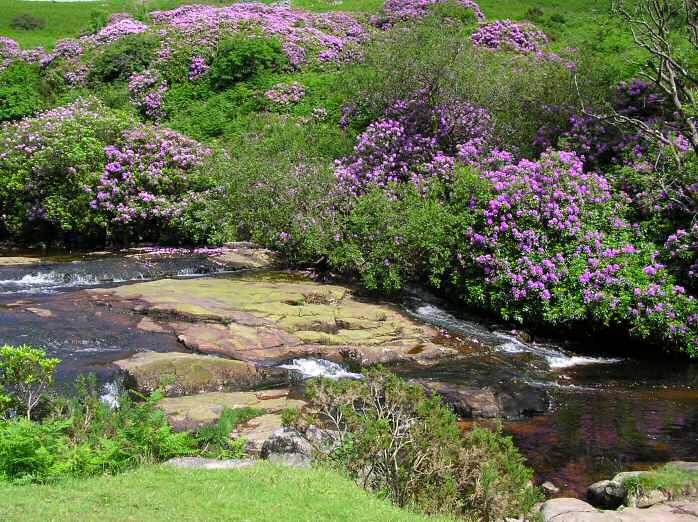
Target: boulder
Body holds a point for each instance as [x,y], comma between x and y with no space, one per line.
[258,430]
[191,412]
[289,446]
[185,374]
[514,402]
[241,256]
[549,489]
[606,494]
[200,463]
[574,510]
[646,499]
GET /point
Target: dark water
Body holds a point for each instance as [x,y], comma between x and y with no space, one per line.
[606,415]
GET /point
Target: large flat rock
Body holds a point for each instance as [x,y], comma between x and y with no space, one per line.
[194,411]
[186,374]
[273,317]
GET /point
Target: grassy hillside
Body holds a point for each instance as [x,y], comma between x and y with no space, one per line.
[152,494]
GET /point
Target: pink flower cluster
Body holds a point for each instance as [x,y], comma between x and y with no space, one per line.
[507,35]
[286,93]
[152,175]
[197,68]
[405,10]
[301,32]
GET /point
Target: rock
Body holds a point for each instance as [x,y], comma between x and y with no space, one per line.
[19,261]
[258,430]
[274,317]
[470,402]
[186,374]
[288,446]
[606,494]
[549,489]
[192,412]
[41,312]
[196,462]
[647,499]
[240,256]
[566,510]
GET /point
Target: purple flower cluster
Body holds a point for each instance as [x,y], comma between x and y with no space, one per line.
[520,37]
[197,68]
[395,11]
[414,142]
[286,93]
[550,236]
[151,175]
[147,92]
[116,29]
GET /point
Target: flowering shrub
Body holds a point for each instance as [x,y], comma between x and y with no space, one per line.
[47,162]
[285,93]
[151,177]
[414,142]
[404,10]
[50,178]
[147,92]
[197,68]
[550,243]
[505,34]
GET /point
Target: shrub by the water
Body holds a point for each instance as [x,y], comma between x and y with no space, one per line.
[399,441]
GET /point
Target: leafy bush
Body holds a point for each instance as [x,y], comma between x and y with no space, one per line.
[397,440]
[25,373]
[215,440]
[20,91]
[27,22]
[242,57]
[118,61]
[277,188]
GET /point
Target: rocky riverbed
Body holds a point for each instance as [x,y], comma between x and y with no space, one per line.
[217,327]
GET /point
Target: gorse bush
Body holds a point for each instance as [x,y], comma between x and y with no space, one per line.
[25,375]
[20,91]
[118,61]
[242,57]
[396,440]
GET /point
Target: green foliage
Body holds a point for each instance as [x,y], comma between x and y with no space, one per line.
[276,186]
[241,57]
[25,373]
[399,441]
[20,91]
[128,55]
[215,441]
[435,57]
[27,22]
[670,479]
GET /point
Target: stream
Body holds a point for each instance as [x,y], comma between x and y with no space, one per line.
[605,415]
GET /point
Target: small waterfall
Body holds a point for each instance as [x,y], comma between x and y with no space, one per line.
[310,368]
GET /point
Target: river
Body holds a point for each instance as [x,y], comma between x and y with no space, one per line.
[605,414]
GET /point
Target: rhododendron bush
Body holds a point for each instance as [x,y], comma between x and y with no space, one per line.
[85,170]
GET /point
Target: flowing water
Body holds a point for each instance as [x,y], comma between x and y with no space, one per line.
[605,415]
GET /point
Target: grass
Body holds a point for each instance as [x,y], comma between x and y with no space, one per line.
[668,478]
[161,493]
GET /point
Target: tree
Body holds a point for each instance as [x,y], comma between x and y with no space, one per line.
[26,373]
[668,31]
